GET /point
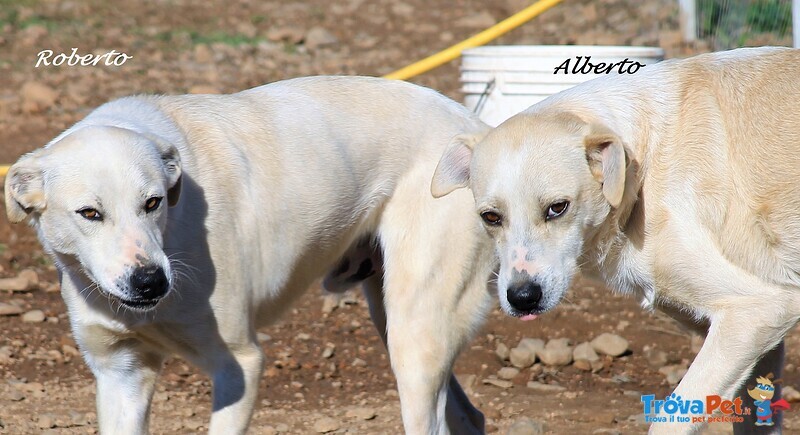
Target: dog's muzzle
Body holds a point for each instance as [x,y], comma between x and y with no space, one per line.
[525,297]
[148,284]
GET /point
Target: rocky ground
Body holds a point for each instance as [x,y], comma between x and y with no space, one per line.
[579,369]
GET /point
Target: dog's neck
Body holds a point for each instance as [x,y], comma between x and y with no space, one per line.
[613,251]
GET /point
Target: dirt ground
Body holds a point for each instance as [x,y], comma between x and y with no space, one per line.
[224,46]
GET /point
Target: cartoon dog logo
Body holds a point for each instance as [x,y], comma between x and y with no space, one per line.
[762,395]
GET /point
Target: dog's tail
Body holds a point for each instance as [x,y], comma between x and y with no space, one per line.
[362,260]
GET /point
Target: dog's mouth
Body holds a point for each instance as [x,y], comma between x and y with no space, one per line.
[138,304]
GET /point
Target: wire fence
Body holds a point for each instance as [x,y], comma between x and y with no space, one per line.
[729,24]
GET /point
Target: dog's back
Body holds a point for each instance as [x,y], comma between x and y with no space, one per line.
[303,167]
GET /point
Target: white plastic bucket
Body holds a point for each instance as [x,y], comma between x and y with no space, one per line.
[500,81]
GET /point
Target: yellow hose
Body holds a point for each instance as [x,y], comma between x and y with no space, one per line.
[482,38]
[454,51]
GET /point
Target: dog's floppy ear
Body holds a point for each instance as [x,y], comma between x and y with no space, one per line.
[172,167]
[452,172]
[24,188]
[171,159]
[607,161]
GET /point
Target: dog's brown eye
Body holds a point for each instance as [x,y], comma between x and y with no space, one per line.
[556,209]
[491,218]
[152,204]
[90,214]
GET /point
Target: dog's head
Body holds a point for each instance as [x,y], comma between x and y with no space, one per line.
[98,199]
[542,184]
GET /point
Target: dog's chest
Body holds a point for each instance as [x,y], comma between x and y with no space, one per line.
[629,272]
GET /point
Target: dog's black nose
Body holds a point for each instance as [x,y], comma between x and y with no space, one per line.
[149,282]
[525,297]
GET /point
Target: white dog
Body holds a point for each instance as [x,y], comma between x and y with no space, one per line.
[678,184]
[180,224]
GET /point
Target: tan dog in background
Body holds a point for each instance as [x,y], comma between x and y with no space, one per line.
[679,184]
[180,224]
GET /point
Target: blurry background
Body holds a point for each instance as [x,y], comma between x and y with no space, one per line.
[215,46]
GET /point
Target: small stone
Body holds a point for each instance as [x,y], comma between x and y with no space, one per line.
[318,37]
[328,351]
[358,362]
[610,344]
[33,316]
[674,373]
[790,394]
[467,382]
[16,284]
[508,373]
[502,351]
[545,388]
[302,337]
[330,302]
[656,358]
[585,351]
[532,344]
[193,424]
[498,383]
[6,355]
[361,413]
[282,427]
[535,371]
[31,276]
[46,422]
[292,35]
[10,310]
[582,364]
[621,379]
[263,338]
[603,417]
[558,352]
[521,357]
[325,425]
[526,427]
[15,395]
[37,97]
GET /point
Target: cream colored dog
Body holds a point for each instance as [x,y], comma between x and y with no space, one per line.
[180,224]
[678,184]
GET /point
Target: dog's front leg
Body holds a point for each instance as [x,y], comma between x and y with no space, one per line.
[734,344]
[427,326]
[235,375]
[461,416]
[126,375]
